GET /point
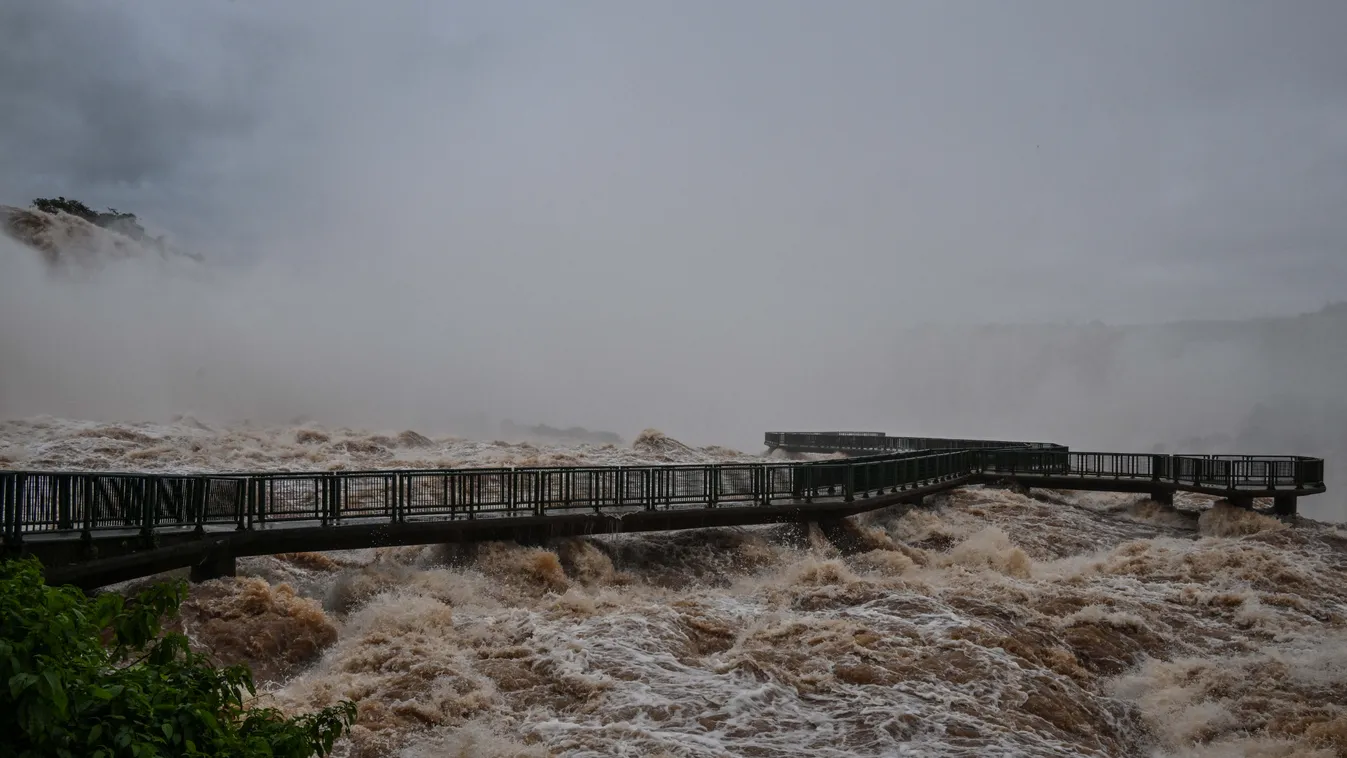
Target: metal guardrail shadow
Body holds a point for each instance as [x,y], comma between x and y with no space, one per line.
[82,505]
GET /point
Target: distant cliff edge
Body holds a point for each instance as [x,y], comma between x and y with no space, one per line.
[68,233]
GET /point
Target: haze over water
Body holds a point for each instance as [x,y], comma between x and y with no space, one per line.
[1109,227]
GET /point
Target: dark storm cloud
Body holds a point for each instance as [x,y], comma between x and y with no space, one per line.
[1030,145]
[198,114]
[92,97]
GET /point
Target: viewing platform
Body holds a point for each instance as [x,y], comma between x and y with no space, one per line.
[96,528]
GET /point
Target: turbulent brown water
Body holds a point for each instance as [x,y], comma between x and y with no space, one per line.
[988,623]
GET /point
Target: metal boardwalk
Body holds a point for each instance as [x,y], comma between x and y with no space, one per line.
[93,528]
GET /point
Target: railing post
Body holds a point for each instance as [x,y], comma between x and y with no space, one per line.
[20,495]
[399,505]
[65,518]
[470,500]
[255,496]
[242,502]
[322,498]
[336,496]
[87,511]
[6,507]
[199,500]
[149,496]
[537,498]
[265,487]
[9,496]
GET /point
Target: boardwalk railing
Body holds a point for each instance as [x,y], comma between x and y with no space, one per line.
[1236,471]
[1228,472]
[84,504]
[878,442]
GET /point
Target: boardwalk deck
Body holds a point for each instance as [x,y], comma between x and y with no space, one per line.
[97,528]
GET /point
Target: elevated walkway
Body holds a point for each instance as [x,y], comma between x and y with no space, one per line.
[97,528]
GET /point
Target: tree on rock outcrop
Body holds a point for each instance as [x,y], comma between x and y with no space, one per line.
[124,223]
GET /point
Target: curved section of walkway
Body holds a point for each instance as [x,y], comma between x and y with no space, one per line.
[95,528]
[1222,475]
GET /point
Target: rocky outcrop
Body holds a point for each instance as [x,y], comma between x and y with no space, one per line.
[64,239]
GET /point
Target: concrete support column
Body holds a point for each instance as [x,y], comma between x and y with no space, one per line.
[216,565]
[841,534]
[536,537]
[1163,497]
[1284,505]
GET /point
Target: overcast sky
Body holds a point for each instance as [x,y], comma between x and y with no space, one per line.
[703,216]
[1029,160]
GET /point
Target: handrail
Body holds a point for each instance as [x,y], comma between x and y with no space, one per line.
[1231,472]
[849,442]
[85,503]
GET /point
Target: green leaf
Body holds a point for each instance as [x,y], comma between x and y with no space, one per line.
[20,682]
[55,691]
[80,675]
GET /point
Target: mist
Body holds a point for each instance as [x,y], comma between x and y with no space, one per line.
[712,220]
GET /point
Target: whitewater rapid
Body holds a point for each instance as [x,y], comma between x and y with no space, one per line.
[988,623]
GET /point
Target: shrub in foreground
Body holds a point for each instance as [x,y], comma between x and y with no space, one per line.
[97,677]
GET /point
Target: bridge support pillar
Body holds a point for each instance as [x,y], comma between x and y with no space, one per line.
[1163,497]
[841,533]
[1284,505]
[532,538]
[1243,501]
[216,565]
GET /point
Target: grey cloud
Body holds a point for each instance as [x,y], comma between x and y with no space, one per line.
[1040,142]
[691,214]
[92,97]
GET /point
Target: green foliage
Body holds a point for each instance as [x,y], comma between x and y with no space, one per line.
[113,219]
[73,207]
[96,677]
